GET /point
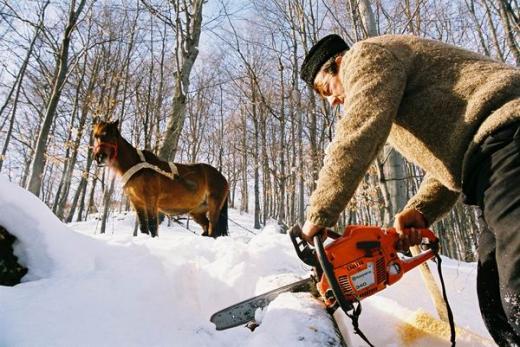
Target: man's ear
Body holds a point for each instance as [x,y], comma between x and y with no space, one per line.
[338,60]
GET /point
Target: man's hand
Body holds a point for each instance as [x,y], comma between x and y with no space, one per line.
[409,218]
[309,230]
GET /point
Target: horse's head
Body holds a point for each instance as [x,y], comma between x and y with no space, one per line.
[106,139]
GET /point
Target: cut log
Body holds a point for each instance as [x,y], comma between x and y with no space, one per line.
[11,272]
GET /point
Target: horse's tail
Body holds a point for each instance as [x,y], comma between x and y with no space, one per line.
[222,224]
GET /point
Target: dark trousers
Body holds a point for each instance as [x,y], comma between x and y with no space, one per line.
[492,182]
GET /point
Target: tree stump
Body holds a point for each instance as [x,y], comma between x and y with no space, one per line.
[11,272]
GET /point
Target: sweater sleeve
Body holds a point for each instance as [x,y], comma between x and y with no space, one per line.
[374,81]
[433,199]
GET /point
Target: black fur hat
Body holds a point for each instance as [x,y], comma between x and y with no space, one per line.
[322,51]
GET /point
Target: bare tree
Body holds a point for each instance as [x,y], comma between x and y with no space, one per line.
[186,24]
[38,162]
[18,83]
[511,25]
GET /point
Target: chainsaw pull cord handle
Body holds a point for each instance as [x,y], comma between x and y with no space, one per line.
[451,321]
[346,306]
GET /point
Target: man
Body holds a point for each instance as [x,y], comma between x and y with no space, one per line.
[454,113]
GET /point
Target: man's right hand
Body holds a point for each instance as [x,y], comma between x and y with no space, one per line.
[309,230]
[409,218]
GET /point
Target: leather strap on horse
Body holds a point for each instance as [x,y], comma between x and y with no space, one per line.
[100,145]
[145,165]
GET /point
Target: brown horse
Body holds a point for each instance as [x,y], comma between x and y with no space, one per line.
[156,186]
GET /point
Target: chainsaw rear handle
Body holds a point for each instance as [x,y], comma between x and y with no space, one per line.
[425,233]
[429,240]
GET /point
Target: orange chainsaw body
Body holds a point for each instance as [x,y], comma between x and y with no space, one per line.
[365,261]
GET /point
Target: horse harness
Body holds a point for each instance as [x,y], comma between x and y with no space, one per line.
[145,165]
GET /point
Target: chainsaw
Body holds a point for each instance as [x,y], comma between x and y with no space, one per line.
[354,266]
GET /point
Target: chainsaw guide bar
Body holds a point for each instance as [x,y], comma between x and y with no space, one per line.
[244,312]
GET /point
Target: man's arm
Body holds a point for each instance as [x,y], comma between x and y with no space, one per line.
[374,81]
[433,200]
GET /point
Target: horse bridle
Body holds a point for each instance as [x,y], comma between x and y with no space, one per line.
[99,145]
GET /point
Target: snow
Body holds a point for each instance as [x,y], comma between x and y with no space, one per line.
[89,289]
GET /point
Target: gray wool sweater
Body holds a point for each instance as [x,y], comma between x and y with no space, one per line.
[431,101]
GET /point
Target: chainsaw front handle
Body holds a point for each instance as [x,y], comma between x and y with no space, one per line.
[328,271]
[302,248]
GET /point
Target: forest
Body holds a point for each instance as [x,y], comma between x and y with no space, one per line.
[213,81]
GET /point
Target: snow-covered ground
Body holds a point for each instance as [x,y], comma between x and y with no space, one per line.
[88,289]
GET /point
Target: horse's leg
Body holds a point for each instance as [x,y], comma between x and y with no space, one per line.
[215,204]
[202,220]
[153,224]
[143,220]
[218,191]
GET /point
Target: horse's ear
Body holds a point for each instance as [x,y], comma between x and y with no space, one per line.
[95,120]
[116,123]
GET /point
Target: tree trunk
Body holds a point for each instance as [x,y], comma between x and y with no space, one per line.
[512,42]
[18,84]
[90,201]
[256,162]
[38,163]
[82,188]
[281,175]
[74,204]
[107,197]
[66,161]
[266,174]
[471,7]
[244,203]
[394,173]
[492,24]
[77,142]
[186,53]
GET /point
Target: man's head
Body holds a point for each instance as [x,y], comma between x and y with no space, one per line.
[320,68]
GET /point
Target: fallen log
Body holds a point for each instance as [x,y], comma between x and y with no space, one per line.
[11,271]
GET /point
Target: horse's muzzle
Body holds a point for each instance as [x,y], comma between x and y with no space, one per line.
[101,158]
[104,152]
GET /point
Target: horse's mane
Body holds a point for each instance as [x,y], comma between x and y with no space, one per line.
[163,165]
[155,160]
[150,157]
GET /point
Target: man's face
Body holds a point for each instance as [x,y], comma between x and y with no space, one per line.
[329,86]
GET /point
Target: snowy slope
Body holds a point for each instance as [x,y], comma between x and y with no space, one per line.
[87,289]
